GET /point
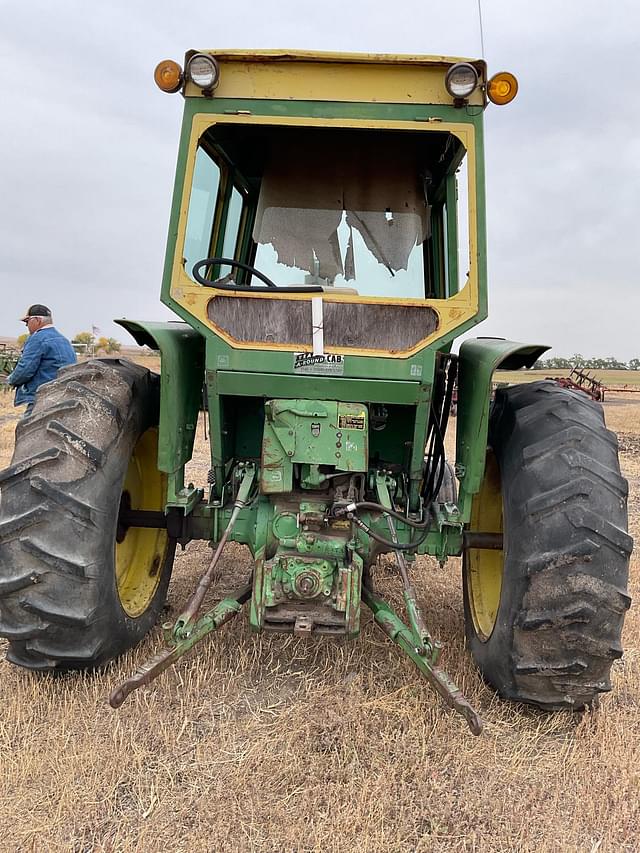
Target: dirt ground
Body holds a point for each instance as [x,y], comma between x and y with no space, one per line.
[278,744]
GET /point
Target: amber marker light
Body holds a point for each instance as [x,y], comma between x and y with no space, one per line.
[168,75]
[502,88]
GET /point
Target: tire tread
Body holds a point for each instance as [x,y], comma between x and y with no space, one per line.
[53,527]
[564,593]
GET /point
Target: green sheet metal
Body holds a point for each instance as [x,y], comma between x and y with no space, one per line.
[479,358]
[181,382]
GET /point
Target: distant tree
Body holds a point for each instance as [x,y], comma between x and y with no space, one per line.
[612,363]
[578,360]
[85,338]
[22,339]
[108,345]
[558,363]
[84,343]
[634,364]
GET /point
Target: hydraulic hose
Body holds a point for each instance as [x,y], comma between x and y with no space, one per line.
[371,506]
[351,510]
[394,546]
[436,453]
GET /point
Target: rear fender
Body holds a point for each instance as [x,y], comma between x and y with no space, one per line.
[478,359]
[181,382]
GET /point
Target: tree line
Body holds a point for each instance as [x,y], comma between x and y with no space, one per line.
[580,361]
[87,342]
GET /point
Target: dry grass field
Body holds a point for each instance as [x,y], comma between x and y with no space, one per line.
[278,744]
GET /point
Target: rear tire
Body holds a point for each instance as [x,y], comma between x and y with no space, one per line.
[77,590]
[544,616]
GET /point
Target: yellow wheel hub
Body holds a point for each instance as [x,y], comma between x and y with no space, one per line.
[485,567]
[140,552]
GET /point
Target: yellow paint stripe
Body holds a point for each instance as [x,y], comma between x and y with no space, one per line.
[371,81]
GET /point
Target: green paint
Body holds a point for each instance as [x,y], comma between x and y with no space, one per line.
[308,572]
[311,434]
[404,638]
[182,365]
[267,384]
[478,361]
[452,235]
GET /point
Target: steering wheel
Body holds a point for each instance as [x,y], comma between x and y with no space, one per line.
[200,269]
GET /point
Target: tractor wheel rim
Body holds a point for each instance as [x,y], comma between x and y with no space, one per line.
[140,552]
[485,568]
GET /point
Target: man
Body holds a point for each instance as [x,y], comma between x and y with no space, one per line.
[44,353]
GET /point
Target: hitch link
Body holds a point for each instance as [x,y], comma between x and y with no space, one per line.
[183,623]
[415,639]
[403,637]
[186,630]
[145,674]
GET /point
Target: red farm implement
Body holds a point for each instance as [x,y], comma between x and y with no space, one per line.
[580,380]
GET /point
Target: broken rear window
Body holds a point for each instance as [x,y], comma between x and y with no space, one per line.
[354,214]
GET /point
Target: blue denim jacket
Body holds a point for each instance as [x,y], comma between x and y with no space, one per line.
[44,353]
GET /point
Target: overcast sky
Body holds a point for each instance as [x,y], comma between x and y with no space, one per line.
[88,148]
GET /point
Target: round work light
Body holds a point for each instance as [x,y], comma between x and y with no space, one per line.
[502,88]
[168,75]
[461,80]
[203,71]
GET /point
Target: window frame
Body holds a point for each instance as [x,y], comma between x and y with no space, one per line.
[230,179]
[461,311]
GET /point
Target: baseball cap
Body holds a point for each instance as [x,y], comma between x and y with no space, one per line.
[36,311]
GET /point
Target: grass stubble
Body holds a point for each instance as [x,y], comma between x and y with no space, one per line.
[270,743]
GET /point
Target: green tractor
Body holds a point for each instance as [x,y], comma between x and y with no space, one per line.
[326,247]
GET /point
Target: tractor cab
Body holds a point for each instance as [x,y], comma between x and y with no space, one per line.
[354,180]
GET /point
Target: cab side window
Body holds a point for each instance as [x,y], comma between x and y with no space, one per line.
[216,215]
[202,209]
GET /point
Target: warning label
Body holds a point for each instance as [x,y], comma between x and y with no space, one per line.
[351,421]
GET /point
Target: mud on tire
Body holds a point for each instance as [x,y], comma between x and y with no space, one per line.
[557,627]
[60,600]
